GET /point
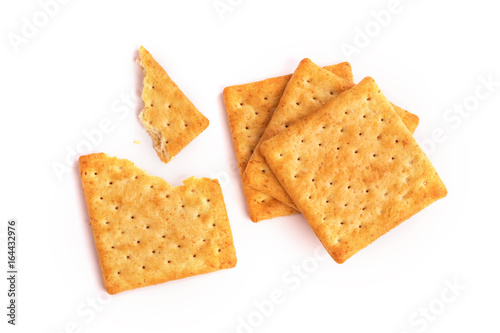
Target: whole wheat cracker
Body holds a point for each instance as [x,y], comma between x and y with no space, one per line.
[309,88]
[169,117]
[249,108]
[148,232]
[353,169]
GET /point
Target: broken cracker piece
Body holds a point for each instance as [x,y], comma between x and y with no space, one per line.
[169,117]
[148,232]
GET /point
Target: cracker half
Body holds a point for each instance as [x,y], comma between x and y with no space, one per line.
[148,232]
[249,109]
[169,117]
[308,89]
[354,170]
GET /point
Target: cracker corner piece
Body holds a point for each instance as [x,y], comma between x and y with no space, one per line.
[168,116]
[360,173]
[148,232]
[310,88]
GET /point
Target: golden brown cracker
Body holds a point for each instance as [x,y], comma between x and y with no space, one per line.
[169,117]
[353,169]
[148,232]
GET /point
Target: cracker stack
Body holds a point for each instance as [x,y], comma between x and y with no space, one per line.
[344,157]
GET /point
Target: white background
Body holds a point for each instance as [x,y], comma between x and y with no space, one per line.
[73,73]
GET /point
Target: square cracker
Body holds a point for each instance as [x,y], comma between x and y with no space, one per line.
[308,89]
[249,109]
[148,232]
[354,170]
[169,117]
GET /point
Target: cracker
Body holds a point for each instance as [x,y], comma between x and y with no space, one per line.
[309,88]
[249,108]
[354,170]
[148,232]
[169,117]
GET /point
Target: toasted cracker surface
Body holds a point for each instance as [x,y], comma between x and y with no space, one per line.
[249,108]
[309,88]
[148,232]
[353,169]
[169,117]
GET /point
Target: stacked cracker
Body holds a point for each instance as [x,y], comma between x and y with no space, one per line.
[339,153]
